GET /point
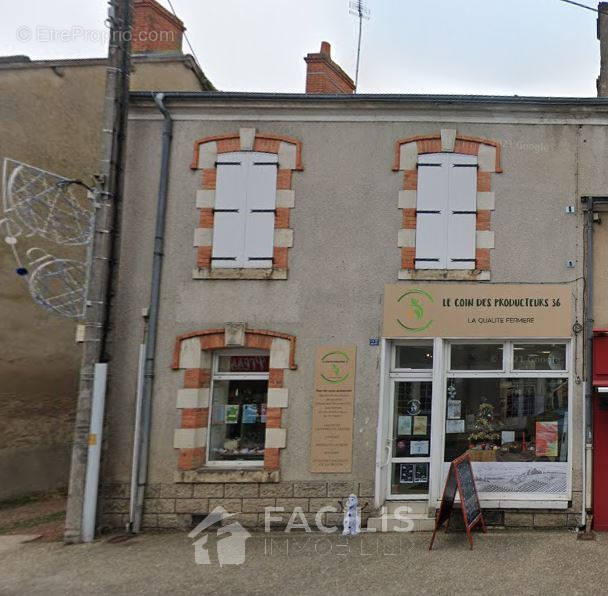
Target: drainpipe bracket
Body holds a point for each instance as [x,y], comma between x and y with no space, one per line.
[585,532]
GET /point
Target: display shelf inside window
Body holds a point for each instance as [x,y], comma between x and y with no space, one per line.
[237,426]
[507,419]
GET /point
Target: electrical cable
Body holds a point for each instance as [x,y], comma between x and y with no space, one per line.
[186,37]
[584,6]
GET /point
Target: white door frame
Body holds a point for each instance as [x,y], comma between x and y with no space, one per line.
[385,415]
[382,457]
[440,376]
[440,348]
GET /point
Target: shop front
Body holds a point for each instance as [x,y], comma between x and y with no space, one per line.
[485,370]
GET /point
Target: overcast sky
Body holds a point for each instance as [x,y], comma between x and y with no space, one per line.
[523,47]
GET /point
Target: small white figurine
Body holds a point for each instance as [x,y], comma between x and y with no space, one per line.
[352,519]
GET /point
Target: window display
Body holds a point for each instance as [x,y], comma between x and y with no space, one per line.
[513,424]
[510,419]
[410,478]
[506,404]
[237,424]
[412,419]
[411,437]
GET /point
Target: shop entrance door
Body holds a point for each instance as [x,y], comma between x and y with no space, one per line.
[410,439]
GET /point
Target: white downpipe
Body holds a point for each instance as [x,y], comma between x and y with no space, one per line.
[584,458]
[379,484]
[589,483]
[136,434]
[89,507]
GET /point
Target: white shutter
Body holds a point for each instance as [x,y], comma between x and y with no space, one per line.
[431,206]
[229,213]
[260,209]
[462,204]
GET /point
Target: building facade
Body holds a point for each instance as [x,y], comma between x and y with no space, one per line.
[356,290]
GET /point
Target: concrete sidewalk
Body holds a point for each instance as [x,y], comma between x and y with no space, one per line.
[277,563]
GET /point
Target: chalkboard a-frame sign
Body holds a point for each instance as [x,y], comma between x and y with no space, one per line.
[460,478]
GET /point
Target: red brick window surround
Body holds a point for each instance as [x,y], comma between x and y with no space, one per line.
[406,155]
[206,151]
[193,353]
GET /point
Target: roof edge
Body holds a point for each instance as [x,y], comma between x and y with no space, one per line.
[147,57]
[178,96]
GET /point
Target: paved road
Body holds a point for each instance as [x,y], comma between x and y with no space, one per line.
[501,563]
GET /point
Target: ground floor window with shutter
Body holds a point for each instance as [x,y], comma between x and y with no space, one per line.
[237,421]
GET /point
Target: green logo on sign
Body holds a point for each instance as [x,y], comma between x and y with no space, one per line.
[415,302]
[334,367]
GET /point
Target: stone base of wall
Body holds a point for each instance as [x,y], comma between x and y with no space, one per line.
[169,506]
[542,519]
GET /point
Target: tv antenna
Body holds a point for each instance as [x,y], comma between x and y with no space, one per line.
[358,9]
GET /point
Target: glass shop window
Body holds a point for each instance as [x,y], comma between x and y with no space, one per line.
[417,356]
[539,357]
[515,421]
[412,417]
[507,419]
[237,424]
[477,357]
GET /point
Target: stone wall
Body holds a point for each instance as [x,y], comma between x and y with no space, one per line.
[176,506]
[542,519]
[169,506]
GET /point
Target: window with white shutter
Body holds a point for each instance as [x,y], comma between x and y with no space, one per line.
[245,201]
[228,220]
[431,206]
[445,211]
[260,209]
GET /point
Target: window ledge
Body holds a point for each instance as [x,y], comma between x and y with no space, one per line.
[210,474]
[540,503]
[239,273]
[443,274]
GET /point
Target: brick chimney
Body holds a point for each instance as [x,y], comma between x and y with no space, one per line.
[155,29]
[323,75]
[602,35]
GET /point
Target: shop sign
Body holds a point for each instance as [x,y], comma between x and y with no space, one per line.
[477,310]
[249,363]
[332,410]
